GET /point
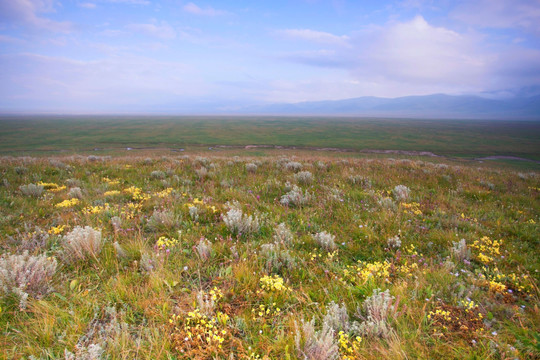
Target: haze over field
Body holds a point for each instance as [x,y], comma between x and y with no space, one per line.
[172,56]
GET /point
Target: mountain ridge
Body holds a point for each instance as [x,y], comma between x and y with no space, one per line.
[434,105]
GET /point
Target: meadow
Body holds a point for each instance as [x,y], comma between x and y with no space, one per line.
[287,255]
[454,138]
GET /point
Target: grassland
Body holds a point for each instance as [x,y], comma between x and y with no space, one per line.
[180,275]
[461,138]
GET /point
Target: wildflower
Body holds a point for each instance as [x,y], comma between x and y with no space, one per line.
[347,345]
[111,193]
[164,193]
[487,249]
[136,193]
[56,230]
[110,182]
[365,271]
[89,210]
[52,187]
[273,284]
[263,312]
[496,286]
[67,203]
[165,243]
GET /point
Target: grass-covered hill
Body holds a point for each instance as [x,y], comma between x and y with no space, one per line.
[275,257]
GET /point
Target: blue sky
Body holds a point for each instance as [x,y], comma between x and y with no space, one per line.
[129,56]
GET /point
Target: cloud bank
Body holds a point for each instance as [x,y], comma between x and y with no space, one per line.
[117,55]
[415,55]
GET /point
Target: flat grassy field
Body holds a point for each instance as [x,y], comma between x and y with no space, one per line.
[313,256]
[459,138]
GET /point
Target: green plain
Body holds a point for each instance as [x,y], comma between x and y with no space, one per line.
[460,138]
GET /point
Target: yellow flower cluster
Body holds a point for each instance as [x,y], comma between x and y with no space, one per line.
[520,283]
[411,208]
[202,329]
[52,186]
[57,230]
[484,259]
[487,249]
[348,346]
[263,312]
[164,193]
[365,271]
[111,193]
[90,210]
[497,287]
[111,182]
[130,210]
[136,193]
[468,305]
[407,269]
[165,243]
[441,314]
[67,203]
[466,321]
[471,307]
[411,250]
[273,284]
[314,255]
[215,294]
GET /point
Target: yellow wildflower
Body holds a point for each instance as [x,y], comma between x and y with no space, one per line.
[67,203]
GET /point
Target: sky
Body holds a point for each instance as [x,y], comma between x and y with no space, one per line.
[145,56]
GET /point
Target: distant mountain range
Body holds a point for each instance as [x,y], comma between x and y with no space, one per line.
[437,105]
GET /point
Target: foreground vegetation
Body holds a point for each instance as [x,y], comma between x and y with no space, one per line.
[190,257]
[462,138]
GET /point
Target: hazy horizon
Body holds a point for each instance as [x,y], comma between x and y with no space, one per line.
[141,56]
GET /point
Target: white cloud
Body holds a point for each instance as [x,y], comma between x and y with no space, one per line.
[407,57]
[88,5]
[523,14]
[112,32]
[315,36]
[29,12]
[65,84]
[415,51]
[207,11]
[129,2]
[162,30]
[11,39]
